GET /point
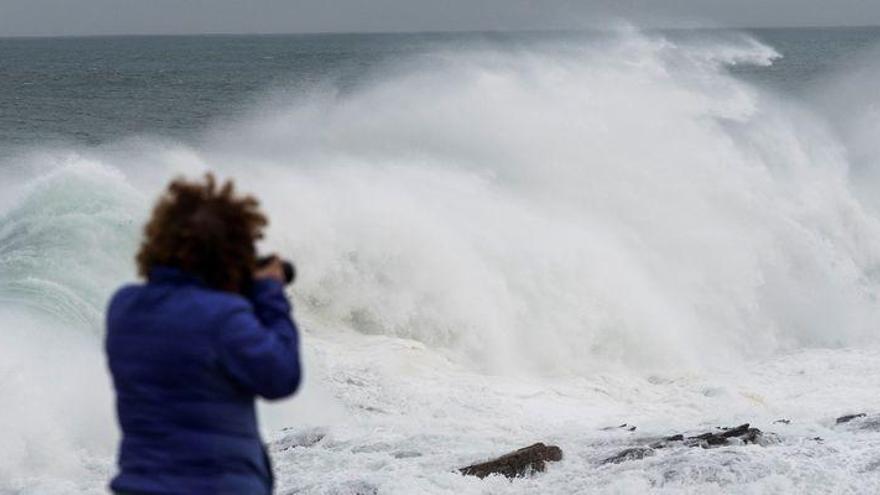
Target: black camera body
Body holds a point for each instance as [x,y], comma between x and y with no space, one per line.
[289,269]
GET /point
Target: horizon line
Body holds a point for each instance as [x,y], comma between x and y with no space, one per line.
[437,31]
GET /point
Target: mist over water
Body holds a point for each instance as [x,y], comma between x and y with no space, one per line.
[616,208]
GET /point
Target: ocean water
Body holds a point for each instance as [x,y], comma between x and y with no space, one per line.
[501,239]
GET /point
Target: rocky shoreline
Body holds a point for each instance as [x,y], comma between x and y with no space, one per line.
[533,459]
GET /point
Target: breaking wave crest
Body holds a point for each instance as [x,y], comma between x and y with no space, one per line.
[625,203]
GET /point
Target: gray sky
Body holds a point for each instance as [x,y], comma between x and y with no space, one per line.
[68,17]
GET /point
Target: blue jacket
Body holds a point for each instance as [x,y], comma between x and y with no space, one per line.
[187,362]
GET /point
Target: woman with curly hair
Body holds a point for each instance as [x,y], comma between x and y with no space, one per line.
[191,348]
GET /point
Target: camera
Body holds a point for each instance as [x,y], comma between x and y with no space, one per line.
[289,269]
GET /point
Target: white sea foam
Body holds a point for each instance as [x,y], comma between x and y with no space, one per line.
[495,247]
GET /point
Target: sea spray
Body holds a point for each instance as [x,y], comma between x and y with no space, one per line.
[627,203]
[622,215]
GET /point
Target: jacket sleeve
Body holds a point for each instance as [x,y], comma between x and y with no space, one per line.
[259,346]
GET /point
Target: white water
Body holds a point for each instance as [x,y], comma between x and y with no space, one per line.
[496,248]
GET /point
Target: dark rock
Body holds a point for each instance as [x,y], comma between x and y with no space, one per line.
[782,421]
[664,442]
[860,422]
[850,417]
[741,434]
[517,463]
[709,439]
[624,426]
[632,454]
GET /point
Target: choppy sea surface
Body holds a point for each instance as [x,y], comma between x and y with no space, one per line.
[502,238]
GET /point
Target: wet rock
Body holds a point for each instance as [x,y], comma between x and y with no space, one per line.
[742,434]
[624,426]
[518,463]
[632,454]
[849,417]
[860,422]
[664,442]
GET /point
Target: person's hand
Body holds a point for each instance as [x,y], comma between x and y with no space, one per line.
[271,270]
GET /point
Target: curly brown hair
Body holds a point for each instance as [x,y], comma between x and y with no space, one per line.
[204,230]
